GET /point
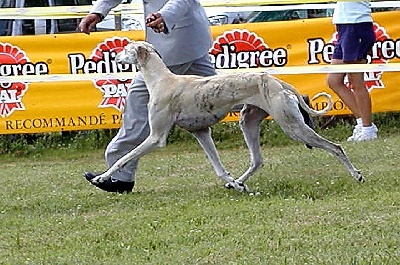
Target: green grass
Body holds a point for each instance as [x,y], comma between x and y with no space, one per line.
[305,209]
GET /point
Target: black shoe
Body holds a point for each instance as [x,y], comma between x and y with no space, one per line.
[110,185]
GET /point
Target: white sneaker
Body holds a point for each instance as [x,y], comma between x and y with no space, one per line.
[362,136]
[356,132]
[365,137]
[359,136]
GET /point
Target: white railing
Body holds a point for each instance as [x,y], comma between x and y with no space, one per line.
[64,12]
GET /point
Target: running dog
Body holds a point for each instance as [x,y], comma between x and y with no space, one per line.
[195,103]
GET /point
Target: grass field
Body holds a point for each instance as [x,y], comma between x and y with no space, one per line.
[305,209]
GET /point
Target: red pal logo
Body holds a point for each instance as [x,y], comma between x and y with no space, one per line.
[373,79]
[114,90]
[240,48]
[12,60]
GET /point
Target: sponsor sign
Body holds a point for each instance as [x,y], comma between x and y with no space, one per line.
[240,48]
[382,52]
[98,104]
[102,60]
[14,62]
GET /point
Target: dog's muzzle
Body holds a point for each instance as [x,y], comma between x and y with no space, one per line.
[125,58]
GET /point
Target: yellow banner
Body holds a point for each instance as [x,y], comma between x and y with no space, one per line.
[31,107]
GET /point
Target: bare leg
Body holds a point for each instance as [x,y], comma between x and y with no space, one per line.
[358,100]
[362,97]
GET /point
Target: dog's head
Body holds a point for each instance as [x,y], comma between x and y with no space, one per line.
[136,53]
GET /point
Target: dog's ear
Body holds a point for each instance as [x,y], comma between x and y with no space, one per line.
[142,53]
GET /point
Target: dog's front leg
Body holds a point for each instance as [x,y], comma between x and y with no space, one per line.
[160,126]
[207,143]
[145,147]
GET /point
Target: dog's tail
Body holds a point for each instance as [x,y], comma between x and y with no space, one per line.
[305,106]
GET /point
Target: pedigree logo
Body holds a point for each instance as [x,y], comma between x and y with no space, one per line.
[383,50]
[102,60]
[14,62]
[240,48]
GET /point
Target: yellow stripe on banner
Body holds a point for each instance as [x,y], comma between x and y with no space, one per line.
[291,70]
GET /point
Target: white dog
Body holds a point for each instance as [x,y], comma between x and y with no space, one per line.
[196,103]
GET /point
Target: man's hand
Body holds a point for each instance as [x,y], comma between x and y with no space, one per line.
[89,22]
[156,22]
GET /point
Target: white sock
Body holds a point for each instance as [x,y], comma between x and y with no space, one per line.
[368,130]
[359,121]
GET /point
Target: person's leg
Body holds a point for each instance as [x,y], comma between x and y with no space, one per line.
[202,66]
[368,129]
[357,99]
[362,98]
[352,47]
[357,54]
[134,130]
[336,83]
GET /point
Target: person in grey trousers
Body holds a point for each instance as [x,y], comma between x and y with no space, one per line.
[179,30]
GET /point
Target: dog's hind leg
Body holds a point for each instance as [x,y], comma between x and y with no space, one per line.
[250,119]
[289,118]
[206,142]
[313,139]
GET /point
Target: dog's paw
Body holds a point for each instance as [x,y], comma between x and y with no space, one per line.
[359,177]
[99,179]
[239,186]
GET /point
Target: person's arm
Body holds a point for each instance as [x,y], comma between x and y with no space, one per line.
[99,10]
[167,17]
[174,10]
[103,7]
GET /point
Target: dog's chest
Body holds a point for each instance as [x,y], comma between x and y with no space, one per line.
[192,120]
